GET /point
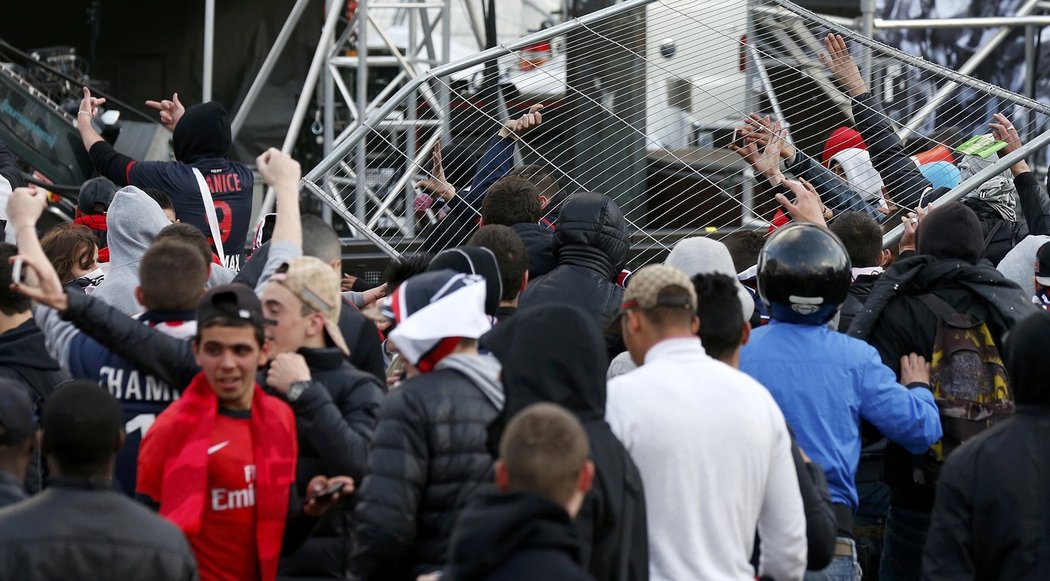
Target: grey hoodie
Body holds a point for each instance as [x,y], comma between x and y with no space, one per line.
[483,370]
[133,220]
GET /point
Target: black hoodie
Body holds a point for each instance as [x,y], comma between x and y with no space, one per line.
[990,515]
[24,359]
[517,536]
[201,141]
[591,246]
[555,353]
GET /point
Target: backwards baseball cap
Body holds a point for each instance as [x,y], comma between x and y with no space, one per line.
[647,288]
[16,413]
[231,301]
[1042,271]
[315,284]
[94,191]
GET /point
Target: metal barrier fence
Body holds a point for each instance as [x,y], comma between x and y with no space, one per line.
[640,102]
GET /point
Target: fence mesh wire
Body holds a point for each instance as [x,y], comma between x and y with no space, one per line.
[641,102]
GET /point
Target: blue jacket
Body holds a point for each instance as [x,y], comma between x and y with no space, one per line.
[824,383]
[142,396]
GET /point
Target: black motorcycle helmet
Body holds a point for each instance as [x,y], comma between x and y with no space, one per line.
[803,274]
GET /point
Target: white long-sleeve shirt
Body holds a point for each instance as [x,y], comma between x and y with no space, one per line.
[715,457]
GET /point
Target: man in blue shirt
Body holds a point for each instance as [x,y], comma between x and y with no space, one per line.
[824,381]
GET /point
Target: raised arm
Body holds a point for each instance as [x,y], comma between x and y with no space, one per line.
[886,149]
[1035,204]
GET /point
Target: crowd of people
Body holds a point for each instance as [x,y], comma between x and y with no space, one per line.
[513,403]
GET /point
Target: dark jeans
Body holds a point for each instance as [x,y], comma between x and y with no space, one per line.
[902,549]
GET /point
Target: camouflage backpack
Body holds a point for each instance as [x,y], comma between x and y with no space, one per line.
[968,380]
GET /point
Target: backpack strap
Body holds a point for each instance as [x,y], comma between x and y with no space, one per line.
[947,313]
[209,211]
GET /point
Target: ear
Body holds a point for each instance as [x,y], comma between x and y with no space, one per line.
[196,346]
[543,202]
[481,222]
[886,258]
[139,296]
[745,333]
[264,353]
[121,438]
[337,266]
[524,282]
[632,321]
[694,325]
[586,479]
[316,324]
[502,476]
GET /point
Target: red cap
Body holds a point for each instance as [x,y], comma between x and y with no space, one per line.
[841,139]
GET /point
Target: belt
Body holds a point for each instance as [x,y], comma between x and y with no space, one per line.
[843,548]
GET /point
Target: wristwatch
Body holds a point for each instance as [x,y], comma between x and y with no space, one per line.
[296,389]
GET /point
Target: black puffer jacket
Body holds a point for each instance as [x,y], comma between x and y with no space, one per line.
[591,246]
[429,459]
[335,419]
[556,355]
[539,243]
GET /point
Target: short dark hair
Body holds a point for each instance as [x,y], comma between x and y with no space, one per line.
[82,424]
[861,235]
[544,448]
[668,316]
[161,198]
[67,245]
[744,247]
[511,200]
[172,275]
[542,177]
[11,303]
[188,234]
[320,239]
[400,269]
[721,314]
[511,256]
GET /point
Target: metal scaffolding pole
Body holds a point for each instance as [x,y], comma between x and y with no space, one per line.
[267,66]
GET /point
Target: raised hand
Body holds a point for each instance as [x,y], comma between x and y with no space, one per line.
[762,129]
[437,185]
[1003,130]
[842,66]
[806,207]
[89,105]
[518,127]
[170,111]
[278,168]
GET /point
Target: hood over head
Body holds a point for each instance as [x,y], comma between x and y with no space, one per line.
[203,132]
[1026,360]
[497,526]
[860,173]
[592,232]
[997,193]
[134,219]
[551,353]
[474,260]
[132,222]
[951,231]
[699,255]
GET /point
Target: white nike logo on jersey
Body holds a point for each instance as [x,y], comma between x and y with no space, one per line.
[217,447]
